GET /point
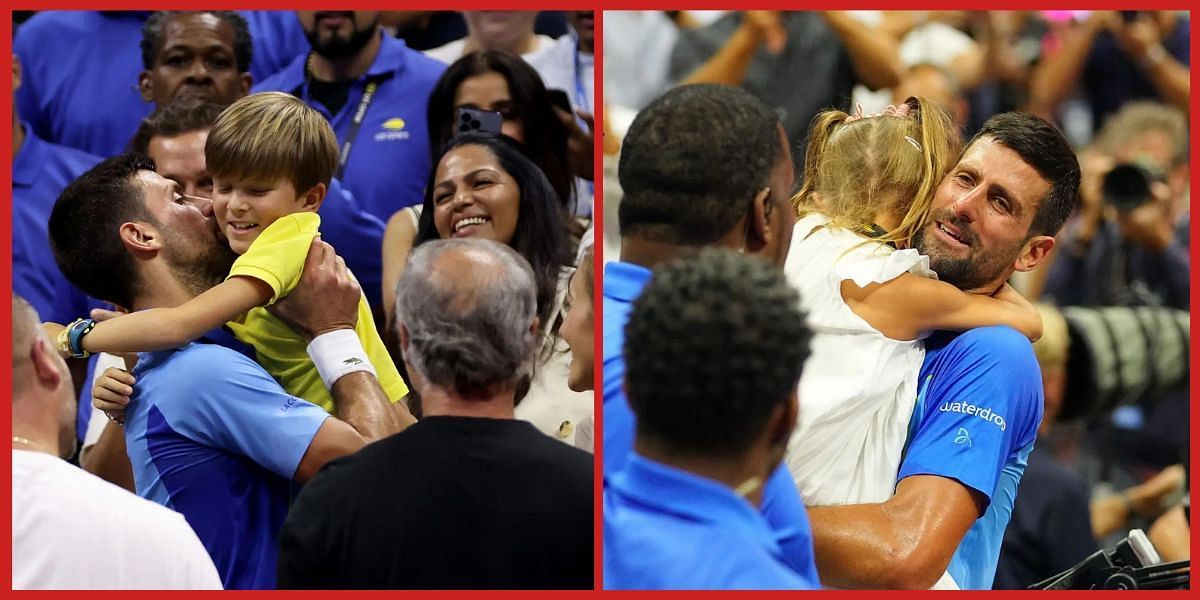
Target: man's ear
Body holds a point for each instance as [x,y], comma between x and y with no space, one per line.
[312,199]
[1034,252]
[780,429]
[245,83]
[759,231]
[45,367]
[145,87]
[405,339]
[140,237]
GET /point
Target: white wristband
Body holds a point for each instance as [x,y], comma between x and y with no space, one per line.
[338,353]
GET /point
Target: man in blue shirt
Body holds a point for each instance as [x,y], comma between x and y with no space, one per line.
[40,172]
[980,394]
[373,89]
[209,433]
[713,423]
[80,68]
[672,208]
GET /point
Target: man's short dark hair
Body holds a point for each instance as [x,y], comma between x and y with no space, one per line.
[84,228]
[182,115]
[692,162]
[713,345]
[1045,149]
[152,35]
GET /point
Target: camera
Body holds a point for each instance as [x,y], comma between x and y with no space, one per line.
[1127,185]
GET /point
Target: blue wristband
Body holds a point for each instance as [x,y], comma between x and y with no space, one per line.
[75,332]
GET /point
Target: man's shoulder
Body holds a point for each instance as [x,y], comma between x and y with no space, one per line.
[996,348]
[64,25]
[205,364]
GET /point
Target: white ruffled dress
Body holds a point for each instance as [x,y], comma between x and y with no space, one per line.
[858,387]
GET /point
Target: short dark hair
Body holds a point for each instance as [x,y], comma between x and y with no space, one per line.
[545,136]
[541,233]
[84,224]
[1044,148]
[181,115]
[692,161]
[712,346]
[152,35]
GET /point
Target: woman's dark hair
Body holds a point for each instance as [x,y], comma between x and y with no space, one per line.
[545,136]
[540,236]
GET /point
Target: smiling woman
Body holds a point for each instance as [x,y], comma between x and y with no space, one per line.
[484,186]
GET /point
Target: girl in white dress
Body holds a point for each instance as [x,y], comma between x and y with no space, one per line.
[870,299]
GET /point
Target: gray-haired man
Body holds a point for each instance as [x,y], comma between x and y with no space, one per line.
[469,497]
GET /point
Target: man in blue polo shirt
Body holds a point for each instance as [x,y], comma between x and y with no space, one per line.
[672,207]
[209,433]
[373,89]
[40,171]
[713,422]
[980,392]
[80,68]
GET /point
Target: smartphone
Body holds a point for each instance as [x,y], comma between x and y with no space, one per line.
[473,119]
[560,99]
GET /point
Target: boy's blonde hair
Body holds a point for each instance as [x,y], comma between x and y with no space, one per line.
[859,168]
[269,137]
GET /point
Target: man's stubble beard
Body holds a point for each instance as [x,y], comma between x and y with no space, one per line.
[973,271]
[199,266]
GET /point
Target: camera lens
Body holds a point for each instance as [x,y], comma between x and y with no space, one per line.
[1126,187]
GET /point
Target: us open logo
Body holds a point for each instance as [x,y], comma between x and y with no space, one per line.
[393,129]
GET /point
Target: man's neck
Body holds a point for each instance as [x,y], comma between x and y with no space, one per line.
[521,46]
[160,289]
[735,473]
[350,68]
[30,433]
[437,401]
[649,254]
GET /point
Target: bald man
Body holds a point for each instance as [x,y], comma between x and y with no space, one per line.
[64,519]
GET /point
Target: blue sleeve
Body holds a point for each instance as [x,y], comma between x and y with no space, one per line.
[243,409]
[980,402]
[785,513]
[357,235]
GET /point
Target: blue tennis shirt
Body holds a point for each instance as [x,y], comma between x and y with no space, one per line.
[782,506]
[976,417]
[212,436]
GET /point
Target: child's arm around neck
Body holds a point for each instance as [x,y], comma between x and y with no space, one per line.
[909,305]
[166,328]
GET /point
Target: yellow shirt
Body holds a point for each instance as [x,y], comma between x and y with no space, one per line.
[277,258]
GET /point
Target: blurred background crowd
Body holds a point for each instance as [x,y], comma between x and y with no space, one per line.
[1113,447]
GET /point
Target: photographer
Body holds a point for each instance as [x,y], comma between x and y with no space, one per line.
[1124,247]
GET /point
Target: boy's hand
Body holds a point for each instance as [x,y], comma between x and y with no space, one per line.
[326,299]
[112,392]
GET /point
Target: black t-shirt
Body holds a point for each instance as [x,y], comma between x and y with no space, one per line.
[333,94]
[452,502]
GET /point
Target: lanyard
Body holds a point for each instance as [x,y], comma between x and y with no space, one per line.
[360,113]
[356,124]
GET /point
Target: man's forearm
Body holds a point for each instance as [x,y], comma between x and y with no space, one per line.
[359,400]
[108,459]
[903,543]
[1058,74]
[1170,77]
[874,54]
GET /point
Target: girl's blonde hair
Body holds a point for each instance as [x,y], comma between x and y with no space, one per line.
[857,168]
